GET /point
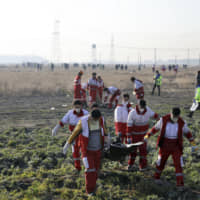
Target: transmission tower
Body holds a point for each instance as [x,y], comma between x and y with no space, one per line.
[56,49]
[112,50]
[94,54]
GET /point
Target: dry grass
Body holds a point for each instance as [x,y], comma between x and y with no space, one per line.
[30,82]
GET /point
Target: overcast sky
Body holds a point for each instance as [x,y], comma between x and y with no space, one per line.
[27,27]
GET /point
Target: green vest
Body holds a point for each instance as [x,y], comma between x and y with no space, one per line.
[197,95]
[158,80]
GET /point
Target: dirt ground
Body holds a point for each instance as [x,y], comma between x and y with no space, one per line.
[41,109]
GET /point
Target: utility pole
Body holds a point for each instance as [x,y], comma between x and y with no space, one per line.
[175,60]
[56,50]
[155,56]
[112,50]
[94,54]
[199,59]
[188,56]
[127,62]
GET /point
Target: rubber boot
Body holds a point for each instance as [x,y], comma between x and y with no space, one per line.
[190,114]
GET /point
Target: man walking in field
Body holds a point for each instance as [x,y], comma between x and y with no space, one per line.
[91,131]
[172,129]
[196,102]
[93,88]
[158,82]
[198,78]
[71,118]
[77,86]
[100,87]
[121,116]
[138,88]
[137,127]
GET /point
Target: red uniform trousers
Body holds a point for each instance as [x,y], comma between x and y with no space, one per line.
[100,90]
[114,97]
[170,147]
[139,93]
[91,173]
[83,96]
[76,151]
[142,151]
[121,127]
[77,88]
[77,92]
[92,94]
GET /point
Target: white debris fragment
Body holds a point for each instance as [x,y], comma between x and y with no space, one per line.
[64,105]
[52,108]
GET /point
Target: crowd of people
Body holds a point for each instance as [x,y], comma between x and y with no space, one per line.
[89,134]
[170,68]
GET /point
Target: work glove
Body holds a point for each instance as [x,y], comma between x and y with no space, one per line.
[66,147]
[54,131]
[134,93]
[146,137]
[194,147]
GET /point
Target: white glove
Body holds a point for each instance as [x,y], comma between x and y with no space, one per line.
[54,131]
[66,147]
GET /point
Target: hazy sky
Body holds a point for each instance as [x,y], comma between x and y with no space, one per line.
[27,27]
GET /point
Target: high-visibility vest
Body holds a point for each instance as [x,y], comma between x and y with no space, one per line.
[197,94]
[158,80]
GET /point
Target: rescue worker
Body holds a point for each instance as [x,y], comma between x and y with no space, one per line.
[170,141]
[176,69]
[83,94]
[95,106]
[198,78]
[163,68]
[120,118]
[114,94]
[77,86]
[196,102]
[153,68]
[93,88]
[158,82]
[137,127]
[71,118]
[91,130]
[138,88]
[100,87]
